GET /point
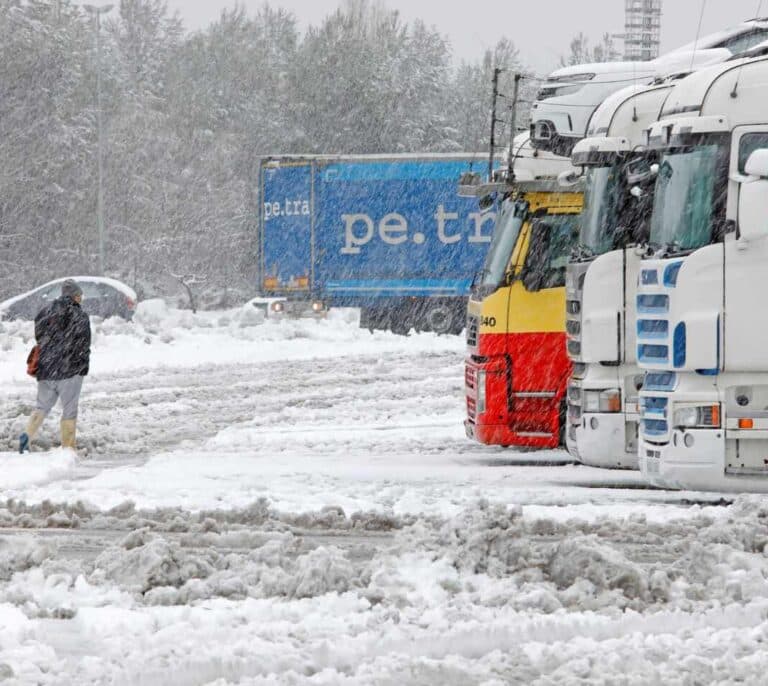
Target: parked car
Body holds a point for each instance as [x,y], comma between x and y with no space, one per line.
[282,308]
[102,297]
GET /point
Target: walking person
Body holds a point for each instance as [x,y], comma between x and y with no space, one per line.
[63,334]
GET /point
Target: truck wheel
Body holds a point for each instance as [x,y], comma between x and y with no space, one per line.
[373,319]
[401,327]
[440,319]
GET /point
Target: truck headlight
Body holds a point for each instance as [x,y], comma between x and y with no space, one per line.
[701,417]
[482,378]
[278,307]
[317,306]
[591,401]
[607,401]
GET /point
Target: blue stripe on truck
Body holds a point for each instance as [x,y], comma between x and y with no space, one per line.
[399,287]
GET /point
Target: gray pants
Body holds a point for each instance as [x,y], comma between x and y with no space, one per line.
[49,391]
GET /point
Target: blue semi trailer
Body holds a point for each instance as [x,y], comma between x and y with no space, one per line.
[387,234]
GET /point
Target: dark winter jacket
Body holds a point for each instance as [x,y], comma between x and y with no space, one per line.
[63,333]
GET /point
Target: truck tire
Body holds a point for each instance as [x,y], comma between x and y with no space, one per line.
[400,327]
[440,319]
[373,319]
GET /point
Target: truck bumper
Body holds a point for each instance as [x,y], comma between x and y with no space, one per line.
[698,467]
[601,441]
[501,434]
[493,418]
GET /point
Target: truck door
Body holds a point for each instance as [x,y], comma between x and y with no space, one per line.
[286,226]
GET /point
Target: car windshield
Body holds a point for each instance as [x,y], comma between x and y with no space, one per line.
[510,219]
[599,217]
[689,199]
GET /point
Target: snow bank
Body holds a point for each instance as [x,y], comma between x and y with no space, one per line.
[164,337]
[487,597]
[35,469]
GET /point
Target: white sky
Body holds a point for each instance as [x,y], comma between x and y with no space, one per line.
[541,29]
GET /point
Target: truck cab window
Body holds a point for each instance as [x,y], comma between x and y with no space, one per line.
[552,238]
[748,144]
[742,42]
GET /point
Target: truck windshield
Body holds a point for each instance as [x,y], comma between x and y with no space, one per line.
[599,217]
[510,219]
[552,238]
[690,195]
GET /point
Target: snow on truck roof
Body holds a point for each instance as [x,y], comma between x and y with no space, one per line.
[114,283]
[718,37]
[699,53]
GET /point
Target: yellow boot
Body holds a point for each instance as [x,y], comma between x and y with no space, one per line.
[68,433]
[33,426]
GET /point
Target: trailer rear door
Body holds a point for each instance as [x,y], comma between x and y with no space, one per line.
[286,226]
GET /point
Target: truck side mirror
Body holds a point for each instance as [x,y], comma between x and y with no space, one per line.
[486,202]
[753,219]
[639,171]
[570,177]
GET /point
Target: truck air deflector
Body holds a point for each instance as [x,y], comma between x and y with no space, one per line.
[671,273]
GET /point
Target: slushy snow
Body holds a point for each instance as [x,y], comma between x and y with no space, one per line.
[261,502]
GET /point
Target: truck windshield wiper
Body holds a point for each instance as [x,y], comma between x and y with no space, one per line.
[582,250]
[671,247]
[479,276]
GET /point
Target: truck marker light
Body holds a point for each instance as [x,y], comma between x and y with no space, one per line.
[612,401]
[746,423]
[715,415]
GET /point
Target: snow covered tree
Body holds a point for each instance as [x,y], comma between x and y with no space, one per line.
[582,53]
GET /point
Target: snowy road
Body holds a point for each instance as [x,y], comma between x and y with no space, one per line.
[297,504]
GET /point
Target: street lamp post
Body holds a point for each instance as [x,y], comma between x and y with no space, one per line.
[97,12]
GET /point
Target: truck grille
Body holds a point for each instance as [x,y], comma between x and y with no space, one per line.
[473,325]
[655,417]
[470,377]
[471,408]
[574,348]
[470,383]
[574,404]
[573,316]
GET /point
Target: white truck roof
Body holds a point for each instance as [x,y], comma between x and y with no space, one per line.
[735,89]
[629,109]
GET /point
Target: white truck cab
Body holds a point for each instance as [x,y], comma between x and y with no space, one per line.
[569,96]
[702,330]
[601,280]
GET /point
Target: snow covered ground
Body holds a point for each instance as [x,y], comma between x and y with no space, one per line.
[295,503]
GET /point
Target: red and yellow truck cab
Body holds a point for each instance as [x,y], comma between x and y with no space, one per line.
[517,367]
